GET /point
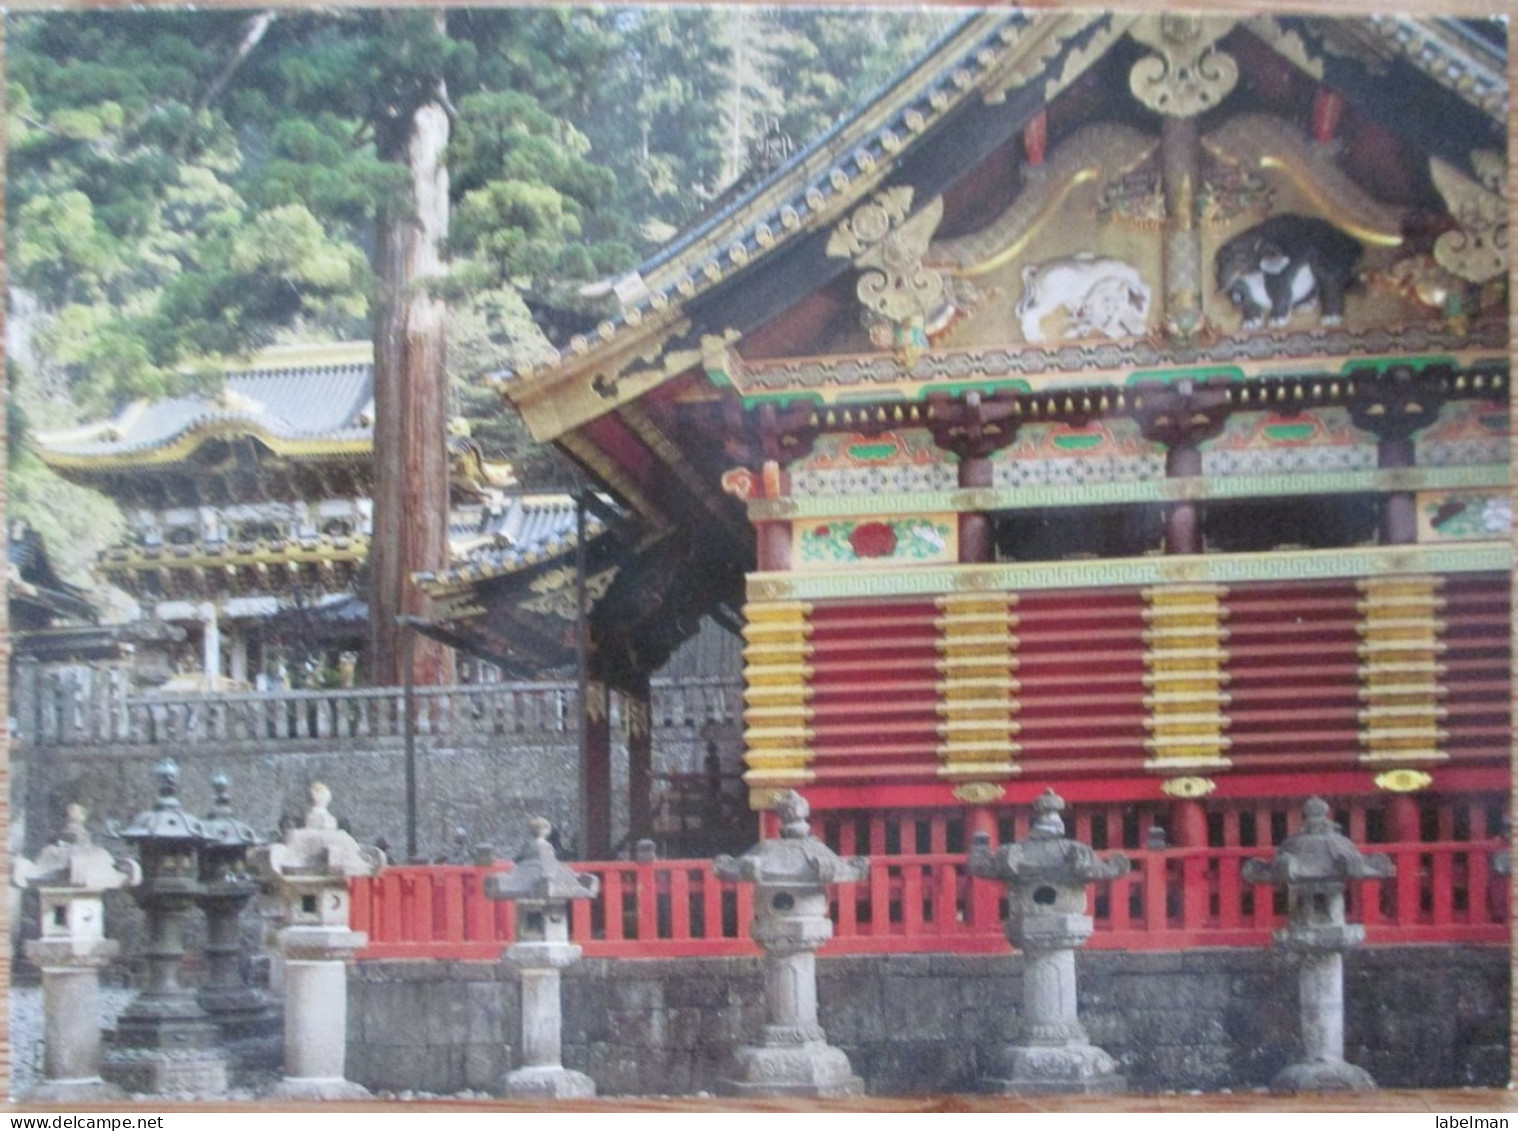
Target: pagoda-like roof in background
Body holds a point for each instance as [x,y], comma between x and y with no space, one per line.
[1446,81]
[508,534]
[36,594]
[302,402]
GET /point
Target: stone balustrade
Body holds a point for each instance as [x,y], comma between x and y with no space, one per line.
[93,704]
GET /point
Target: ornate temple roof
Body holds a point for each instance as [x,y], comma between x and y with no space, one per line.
[298,402]
[296,423]
[510,533]
[675,311]
[876,279]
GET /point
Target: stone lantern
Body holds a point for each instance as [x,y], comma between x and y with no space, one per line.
[542,887]
[1314,864]
[791,874]
[71,877]
[226,887]
[164,1040]
[310,873]
[1046,877]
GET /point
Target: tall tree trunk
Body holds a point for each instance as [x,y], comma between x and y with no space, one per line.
[410,404]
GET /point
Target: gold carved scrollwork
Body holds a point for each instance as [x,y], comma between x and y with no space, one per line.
[1476,250]
[975,581]
[1190,74]
[870,223]
[1188,788]
[979,792]
[769,590]
[888,246]
[1403,781]
[558,595]
[1288,43]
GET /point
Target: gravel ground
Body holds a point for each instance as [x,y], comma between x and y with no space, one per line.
[26,1042]
[26,1029]
[26,1050]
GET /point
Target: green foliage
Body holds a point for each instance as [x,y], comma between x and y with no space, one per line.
[184,186]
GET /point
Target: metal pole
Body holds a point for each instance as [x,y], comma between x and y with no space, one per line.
[582,649]
[408,628]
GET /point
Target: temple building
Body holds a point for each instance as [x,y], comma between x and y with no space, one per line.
[1114,401]
[249,517]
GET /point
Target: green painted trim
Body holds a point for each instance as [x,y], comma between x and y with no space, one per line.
[786,398]
[883,378]
[1046,496]
[1295,565]
[719,376]
[958,388]
[1458,477]
[1382,364]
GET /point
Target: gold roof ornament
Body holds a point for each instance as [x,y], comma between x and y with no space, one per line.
[1189,75]
[1476,251]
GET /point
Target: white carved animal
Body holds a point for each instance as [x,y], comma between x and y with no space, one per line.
[1101,296]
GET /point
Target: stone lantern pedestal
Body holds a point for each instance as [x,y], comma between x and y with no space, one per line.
[310,873]
[542,887]
[1314,864]
[71,877]
[1046,877]
[791,923]
[164,1041]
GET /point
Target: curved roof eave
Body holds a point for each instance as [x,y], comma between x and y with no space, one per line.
[816,185]
[987,55]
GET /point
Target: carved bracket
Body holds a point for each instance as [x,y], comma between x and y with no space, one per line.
[1181,415]
[972,428]
[1476,250]
[888,246]
[1190,74]
[1397,405]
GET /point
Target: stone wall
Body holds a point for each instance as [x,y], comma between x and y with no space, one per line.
[1418,1017]
[487,757]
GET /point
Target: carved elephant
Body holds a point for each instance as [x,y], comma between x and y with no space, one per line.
[1101,296]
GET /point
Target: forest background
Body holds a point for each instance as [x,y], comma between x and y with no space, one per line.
[186,187]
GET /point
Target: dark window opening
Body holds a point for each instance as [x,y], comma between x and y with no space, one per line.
[1078,532]
[1261,525]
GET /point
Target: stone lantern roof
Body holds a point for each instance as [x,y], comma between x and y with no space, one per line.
[1047,855]
[1317,852]
[321,849]
[222,829]
[167,820]
[540,874]
[75,861]
[795,857]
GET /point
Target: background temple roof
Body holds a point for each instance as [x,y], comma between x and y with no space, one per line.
[288,402]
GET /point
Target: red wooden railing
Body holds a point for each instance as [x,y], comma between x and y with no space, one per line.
[1174,899]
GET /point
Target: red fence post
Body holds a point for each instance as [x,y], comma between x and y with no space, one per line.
[911,900]
[1443,879]
[1230,892]
[679,902]
[361,905]
[452,926]
[646,899]
[1156,882]
[1412,883]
